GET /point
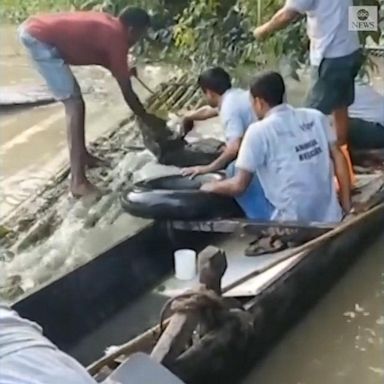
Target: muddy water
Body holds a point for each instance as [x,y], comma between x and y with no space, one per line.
[33,140]
[32,150]
[340,341]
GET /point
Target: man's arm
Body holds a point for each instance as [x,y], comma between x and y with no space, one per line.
[340,165]
[203,113]
[230,153]
[137,107]
[280,20]
[291,11]
[131,98]
[234,129]
[251,155]
[342,174]
[231,187]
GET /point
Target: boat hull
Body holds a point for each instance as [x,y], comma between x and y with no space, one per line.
[285,301]
[278,305]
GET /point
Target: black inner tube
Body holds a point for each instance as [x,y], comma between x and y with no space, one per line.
[178,198]
[178,182]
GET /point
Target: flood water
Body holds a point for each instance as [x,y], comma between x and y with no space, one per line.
[342,339]
[39,133]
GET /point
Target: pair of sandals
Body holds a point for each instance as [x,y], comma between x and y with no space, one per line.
[267,243]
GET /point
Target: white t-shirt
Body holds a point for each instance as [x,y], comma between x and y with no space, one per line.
[289,152]
[368,105]
[17,333]
[236,113]
[26,356]
[327,27]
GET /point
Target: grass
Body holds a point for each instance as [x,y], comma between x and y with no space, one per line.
[16,11]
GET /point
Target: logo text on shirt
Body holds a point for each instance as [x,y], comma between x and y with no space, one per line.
[308,150]
[307,126]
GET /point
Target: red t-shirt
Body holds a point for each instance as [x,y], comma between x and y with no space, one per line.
[84,38]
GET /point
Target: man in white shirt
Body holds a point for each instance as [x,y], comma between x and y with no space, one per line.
[27,357]
[294,154]
[234,107]
[366,119]
[335,57]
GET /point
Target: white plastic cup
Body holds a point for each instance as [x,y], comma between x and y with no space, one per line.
[185,264]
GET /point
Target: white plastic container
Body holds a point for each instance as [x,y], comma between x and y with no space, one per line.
[185,264]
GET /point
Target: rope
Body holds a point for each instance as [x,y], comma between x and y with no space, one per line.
[196,301]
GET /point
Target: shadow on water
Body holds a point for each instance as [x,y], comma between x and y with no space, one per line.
[124,325]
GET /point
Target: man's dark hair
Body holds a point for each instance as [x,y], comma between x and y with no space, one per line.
[270,87]
[216,80]
[135,17]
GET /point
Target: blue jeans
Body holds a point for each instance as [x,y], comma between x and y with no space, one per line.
[253,201]
[51,66]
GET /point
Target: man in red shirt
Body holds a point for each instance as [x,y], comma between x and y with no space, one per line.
[56,41]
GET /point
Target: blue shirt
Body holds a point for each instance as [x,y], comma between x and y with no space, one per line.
[236,115]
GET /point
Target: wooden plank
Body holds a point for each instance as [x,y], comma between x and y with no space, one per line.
[22,95]
[249,226]
[27,95]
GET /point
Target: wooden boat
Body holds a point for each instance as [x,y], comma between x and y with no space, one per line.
[117,297]
[120,294]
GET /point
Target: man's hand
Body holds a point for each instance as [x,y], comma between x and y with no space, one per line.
[279,20]
[195,171]
[261,33]
[187,125]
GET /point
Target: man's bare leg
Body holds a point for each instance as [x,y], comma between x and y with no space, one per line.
[93,162]
[75,114]
[340,119]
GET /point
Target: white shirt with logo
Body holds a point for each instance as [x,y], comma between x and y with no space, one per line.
[327,28]
[289,152]
[368,104]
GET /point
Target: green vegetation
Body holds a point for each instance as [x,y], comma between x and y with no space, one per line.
[17,10]
[201,32]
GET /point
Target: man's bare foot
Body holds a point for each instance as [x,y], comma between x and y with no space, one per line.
[84,189]
[93,161]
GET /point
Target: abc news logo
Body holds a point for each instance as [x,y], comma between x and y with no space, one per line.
[363,18]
